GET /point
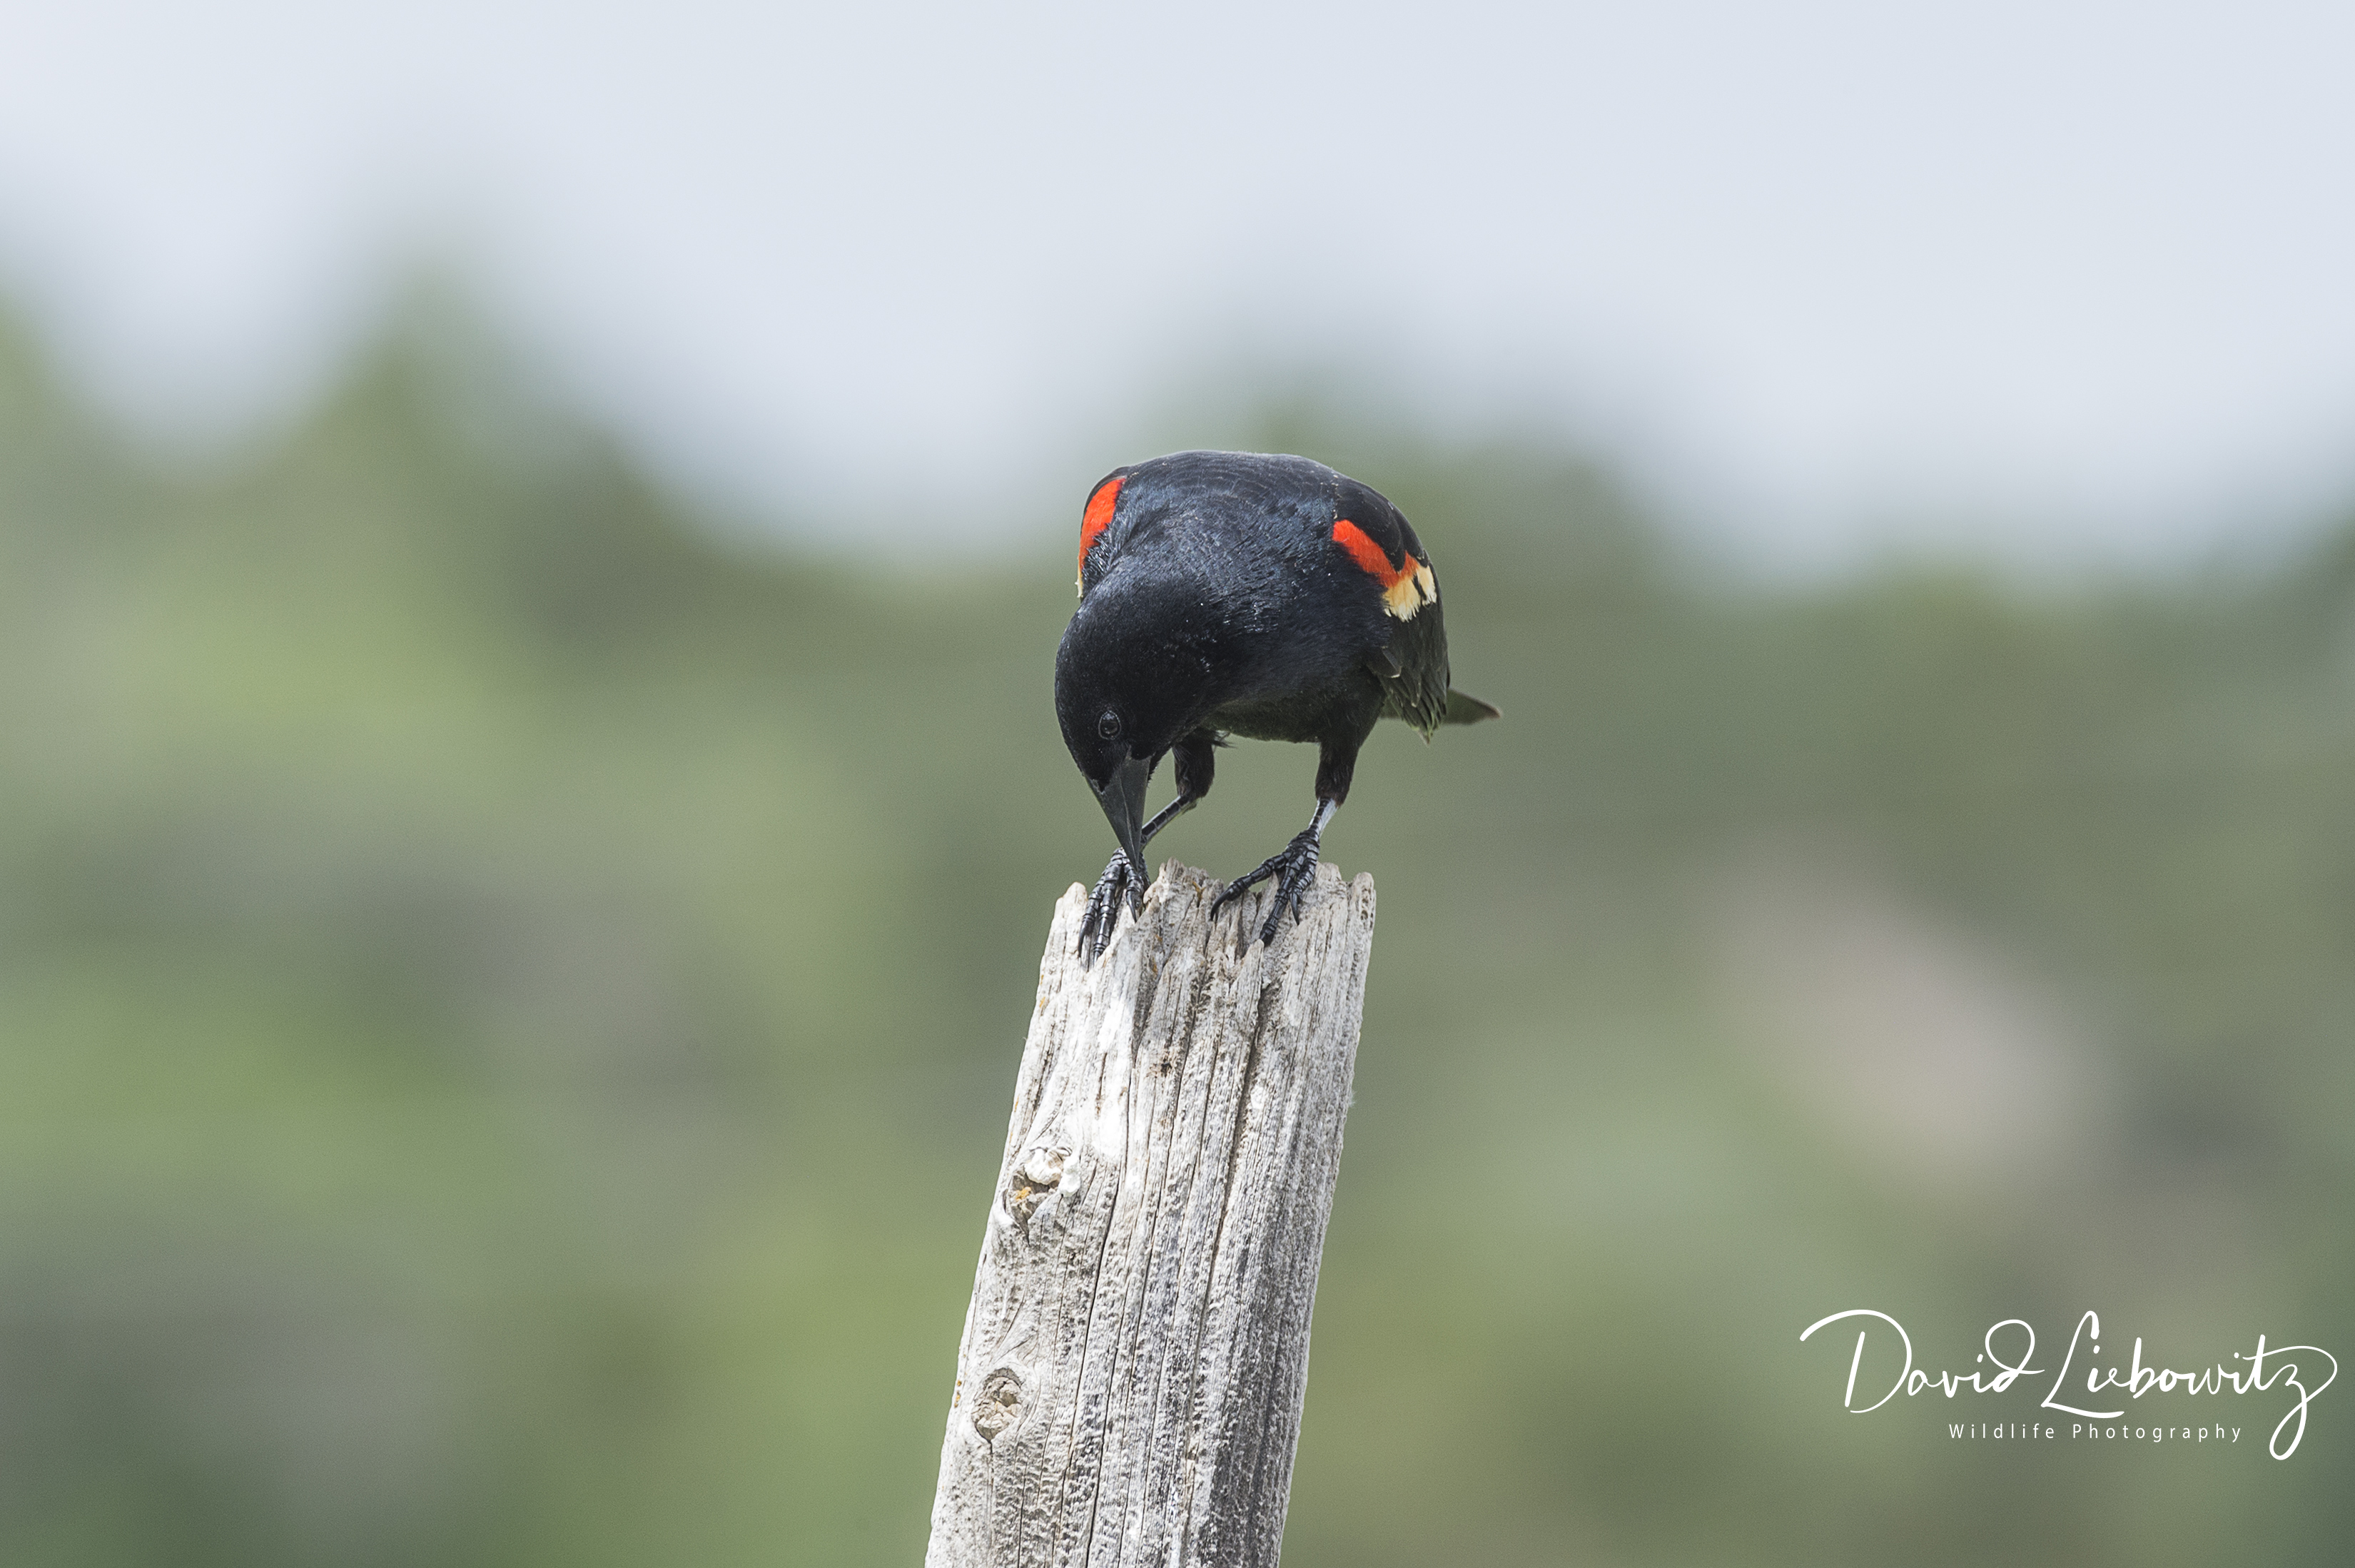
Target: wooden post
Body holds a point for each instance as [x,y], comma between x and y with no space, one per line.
[1130,1379]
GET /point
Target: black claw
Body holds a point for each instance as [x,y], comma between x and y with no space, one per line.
[1120,883]
[1295,867]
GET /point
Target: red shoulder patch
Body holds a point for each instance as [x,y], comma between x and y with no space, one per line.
[1406,587]
[1368,555]
[1098,515]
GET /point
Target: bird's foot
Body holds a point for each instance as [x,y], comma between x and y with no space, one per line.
[1293,867]
[1120,883]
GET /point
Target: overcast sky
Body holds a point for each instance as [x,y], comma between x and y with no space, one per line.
[2066,277]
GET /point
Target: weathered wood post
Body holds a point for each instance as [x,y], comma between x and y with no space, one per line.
[1130,1380]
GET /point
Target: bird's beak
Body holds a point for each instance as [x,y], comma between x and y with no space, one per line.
[1122,799]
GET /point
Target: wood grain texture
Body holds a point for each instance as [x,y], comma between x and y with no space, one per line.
[1130,1379]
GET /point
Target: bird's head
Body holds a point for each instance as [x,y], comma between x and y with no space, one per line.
[1134,676]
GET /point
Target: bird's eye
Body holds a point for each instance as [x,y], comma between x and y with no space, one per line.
[1108,727]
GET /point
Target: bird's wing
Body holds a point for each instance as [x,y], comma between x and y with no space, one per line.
[1412,662]
[1412,668]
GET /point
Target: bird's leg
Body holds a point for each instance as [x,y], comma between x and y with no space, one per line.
[1122,883]
[1293,867]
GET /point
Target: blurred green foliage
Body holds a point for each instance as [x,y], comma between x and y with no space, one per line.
[509,994]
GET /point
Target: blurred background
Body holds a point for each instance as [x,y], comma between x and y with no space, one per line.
[532,543]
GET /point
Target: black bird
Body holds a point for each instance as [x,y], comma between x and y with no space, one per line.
[1233,593]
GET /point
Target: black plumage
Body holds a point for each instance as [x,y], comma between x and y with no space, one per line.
[1234,593]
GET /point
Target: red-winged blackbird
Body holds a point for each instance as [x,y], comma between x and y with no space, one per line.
[1232,593]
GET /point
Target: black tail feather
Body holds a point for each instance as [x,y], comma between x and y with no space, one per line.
[1464,709]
